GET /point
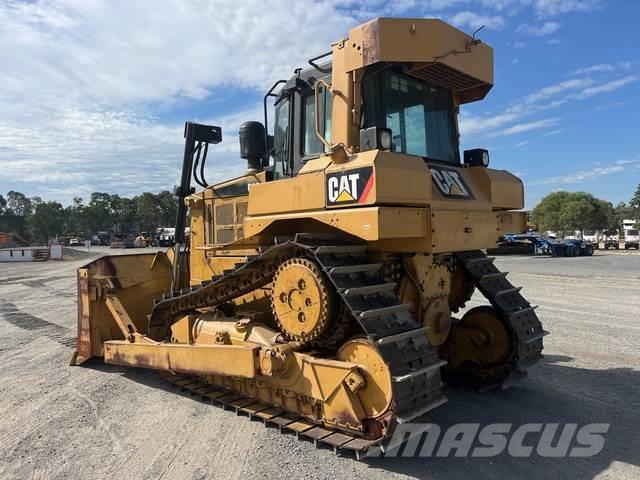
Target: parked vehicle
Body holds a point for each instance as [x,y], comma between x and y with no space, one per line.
[104,238]
[568,247]
[143,240]
[119,240]
[593,237]
[166,236]
[612,241]
[632,239]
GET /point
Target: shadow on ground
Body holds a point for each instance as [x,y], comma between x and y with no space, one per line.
[575,395]
[553,393]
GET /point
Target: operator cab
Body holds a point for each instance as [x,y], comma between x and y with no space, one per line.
[294,132]
[421,117]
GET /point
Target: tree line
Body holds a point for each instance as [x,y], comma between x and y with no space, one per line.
[570,211]
[35,220]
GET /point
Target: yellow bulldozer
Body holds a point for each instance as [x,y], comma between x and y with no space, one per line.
[317,291]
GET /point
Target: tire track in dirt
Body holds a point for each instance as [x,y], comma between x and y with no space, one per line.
[234,447]
[26,321]
[41,412]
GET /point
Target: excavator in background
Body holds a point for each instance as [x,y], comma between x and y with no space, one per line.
[317,292]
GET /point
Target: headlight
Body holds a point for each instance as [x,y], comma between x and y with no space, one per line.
[384,138]
[375,138]
[478,157]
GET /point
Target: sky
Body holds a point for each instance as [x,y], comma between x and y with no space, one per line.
[94,94]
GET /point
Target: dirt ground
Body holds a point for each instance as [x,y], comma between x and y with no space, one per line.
[102,421]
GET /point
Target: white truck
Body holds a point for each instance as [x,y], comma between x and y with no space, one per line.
[593,237]
[632,239]
[611,241]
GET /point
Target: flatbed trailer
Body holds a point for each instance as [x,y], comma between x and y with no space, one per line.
[556,248]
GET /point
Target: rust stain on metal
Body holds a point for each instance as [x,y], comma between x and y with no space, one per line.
[106,267]
[84,322]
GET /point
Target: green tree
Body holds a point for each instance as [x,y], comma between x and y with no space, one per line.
[19,203]
[622,212]
[148,211]
[99,212]
[77,218]
[635,200]
[547,214]
[568,211]
[634,205]
[17,208]
[168,208]
[47,221]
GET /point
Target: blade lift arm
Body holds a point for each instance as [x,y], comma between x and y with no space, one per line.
[197,139]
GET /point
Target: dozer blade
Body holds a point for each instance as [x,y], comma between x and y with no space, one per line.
[127,282]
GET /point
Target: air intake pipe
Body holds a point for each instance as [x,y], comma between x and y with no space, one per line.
[252,145]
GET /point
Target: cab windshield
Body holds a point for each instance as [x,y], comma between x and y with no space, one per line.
[420,115]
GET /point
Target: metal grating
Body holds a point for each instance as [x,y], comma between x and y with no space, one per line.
[445,76]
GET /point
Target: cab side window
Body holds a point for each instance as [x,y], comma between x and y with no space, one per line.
[311,144]
[281,139]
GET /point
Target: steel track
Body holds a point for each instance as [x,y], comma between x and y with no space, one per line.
[516,313]
[366,297]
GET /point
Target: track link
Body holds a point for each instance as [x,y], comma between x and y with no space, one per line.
[366,296]
[402,342]
[339,441]
[518,315]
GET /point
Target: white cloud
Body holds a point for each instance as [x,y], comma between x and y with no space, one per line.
[606,87]
[85,85]
[509,120]
[524,127]
[604,67]
[579,176]
[556,7]
[553,90]
[601,67]
[546,28]
[470,125]
[557,131]
[475,21]
[75,71]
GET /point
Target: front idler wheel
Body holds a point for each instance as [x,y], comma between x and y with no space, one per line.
[480,340]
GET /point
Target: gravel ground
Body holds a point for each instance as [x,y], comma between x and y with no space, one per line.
[103,421]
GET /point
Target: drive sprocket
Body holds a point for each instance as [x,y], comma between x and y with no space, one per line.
[301,300]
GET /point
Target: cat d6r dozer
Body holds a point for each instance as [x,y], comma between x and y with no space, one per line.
[317,291]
